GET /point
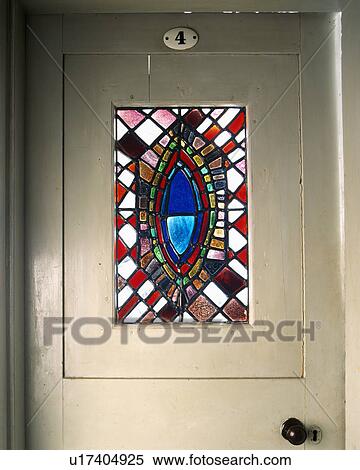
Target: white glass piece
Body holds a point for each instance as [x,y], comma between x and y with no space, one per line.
[234,179]
[222,138]
[122,158]
[184,111]
[123,295]
[236,155]
[128,235]
[236,240]
[126,267]
[234,215]
[235,204]
[148,131]
[241,136]
[121,129]
[243,296]
[228,117]
[215,294]
[146,289]
[238,268]
[127,177]
[126,214]
[204,125]
[187,318]
[219,318]
[128,202]
[159,304]
[205,110]
[136,313]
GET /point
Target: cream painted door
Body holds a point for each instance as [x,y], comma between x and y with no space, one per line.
[125,385]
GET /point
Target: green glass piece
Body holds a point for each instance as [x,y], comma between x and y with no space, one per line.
[153,233]
[186,280]
[210,187]
[212,219]
[172,145]
[152,193]
[161,166]
[158,254]
[178,281]
[189,151]
[203,251]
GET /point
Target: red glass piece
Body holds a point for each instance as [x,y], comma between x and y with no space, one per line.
[204,227]
[158,229]
[229,281]
[237,123]
[171,163]
[154,297]
[119,221]
[132,220]
[241,224]
[194,254]
[241,193]
[120,192]
[187,160]
[120,250]
[229,146]
[131,145]
[212,132]
[168,312]
[133,253]
[185,268]
[194,118]
[129,305]
[131,167]
[243,256]
[137,279]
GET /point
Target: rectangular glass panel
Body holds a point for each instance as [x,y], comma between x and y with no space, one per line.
[181,245]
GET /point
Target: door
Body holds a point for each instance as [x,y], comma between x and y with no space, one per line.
[183,235]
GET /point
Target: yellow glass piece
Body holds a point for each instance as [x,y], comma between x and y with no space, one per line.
[219,232]
[143,216]
[158,149]
[151,206]
[195,268]
[145,260]
[198,160]
[217,244]
[151,220]
[157,179]
[221,205]
[207,178]
[166,155]
[146,172]
[207,149]
[198,284]
[212,200]
[183,143]
[169,271]
[204,275]
[171,290]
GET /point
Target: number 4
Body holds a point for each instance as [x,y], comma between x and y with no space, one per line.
[180,38]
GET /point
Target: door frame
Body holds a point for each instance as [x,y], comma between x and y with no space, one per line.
[352,103]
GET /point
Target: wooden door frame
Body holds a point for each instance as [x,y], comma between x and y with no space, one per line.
[47,413]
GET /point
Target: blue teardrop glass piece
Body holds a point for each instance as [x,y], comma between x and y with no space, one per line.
[180,197]
[180,231]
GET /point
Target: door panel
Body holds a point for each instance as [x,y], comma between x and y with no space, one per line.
[274,210]
[203,395]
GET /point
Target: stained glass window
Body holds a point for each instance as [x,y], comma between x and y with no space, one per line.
[181,244]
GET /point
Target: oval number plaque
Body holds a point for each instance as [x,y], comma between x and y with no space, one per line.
[181,38]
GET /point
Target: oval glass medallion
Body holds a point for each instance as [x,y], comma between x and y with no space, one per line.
[181,39]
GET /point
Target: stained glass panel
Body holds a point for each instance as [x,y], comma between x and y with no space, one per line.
[181,243]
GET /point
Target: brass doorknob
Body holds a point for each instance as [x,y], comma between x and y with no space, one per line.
[294,431]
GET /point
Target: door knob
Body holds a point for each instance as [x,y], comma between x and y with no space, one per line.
[294,431]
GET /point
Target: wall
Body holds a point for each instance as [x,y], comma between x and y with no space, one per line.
[351,113]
